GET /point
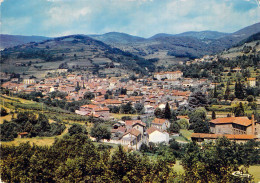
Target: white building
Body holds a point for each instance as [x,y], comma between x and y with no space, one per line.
[171,75]
[156,136]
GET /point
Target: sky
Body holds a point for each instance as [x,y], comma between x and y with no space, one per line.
[143,18]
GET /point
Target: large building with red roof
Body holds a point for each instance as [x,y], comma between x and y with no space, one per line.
[234,125]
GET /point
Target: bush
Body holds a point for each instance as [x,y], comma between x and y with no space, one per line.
[3,112]
[77,129]
[250,98]
[183,123]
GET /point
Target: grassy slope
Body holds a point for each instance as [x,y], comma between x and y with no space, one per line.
[10,103]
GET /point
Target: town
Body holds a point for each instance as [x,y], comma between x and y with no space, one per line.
[130,91]
[144,96]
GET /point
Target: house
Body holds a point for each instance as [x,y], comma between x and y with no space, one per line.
[29,81]
[231,125]
[251,82]
[96,111]
[135,124]
[112,102]
[161,124]
[204,137]
[71,76]
[148,109]
[237,69]
[132,138]
[117,133]
[22,134]
[171,75]
[156,136]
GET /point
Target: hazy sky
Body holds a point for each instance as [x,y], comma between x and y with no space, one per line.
[137,17]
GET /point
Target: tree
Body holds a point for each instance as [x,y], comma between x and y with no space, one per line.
[239,110]
[158,113]
[231,96]
[198,99]
[89,95]
[3,112]
[64,66]
[220,97]
[215,93]
[77,129]
[139,108]
[250,98]
[100,131]
[127,108]
[227,92]
[9,131]
[215,162]
[200,126]
[174,128]
[213,115]
[183,123]
[77,88]
[198,121]
[43,122]
[239,90]
[167,111]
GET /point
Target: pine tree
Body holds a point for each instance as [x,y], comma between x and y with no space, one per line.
[239,90]
[77,87]
[213,115]
[215,93]
[227,92]
[167,111]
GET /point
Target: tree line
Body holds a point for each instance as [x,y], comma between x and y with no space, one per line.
[74,158]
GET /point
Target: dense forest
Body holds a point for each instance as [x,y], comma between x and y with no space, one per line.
[74,158]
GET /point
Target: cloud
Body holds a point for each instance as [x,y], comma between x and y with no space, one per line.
[137,17]
[65,14]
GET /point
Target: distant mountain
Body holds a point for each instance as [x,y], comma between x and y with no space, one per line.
[194,34]
[254,37]
[160,35]
[78,51]
[188,44]
[204,34]
[7,41]
[240,35]
[116,37]
[247,49]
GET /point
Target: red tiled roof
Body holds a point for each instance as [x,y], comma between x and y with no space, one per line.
[133,132]
[244,121]
[215,136]
[23,133]
[251,79]
[111,101]
[133,122]
[151,130]
[183,117]
[159,121]
[120,129]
